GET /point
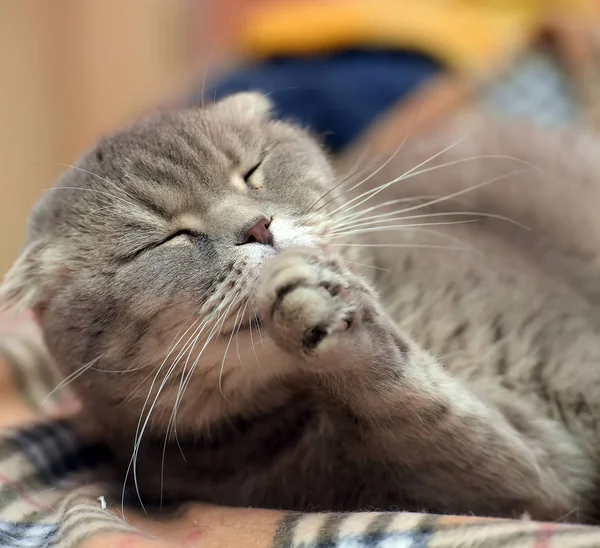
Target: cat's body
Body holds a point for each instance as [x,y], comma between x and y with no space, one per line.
[330,404]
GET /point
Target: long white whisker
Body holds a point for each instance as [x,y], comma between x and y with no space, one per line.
[100,178]
[156,373]
[189,348]
[463,246]
[351,231]
[400,147]
[139,429]
[258,328]
[369,266]
[253,347]
[205,77]
[196,337]
[70,378]
[171,350]
[378,219]
[382,166]
[393,155]
[188,378]
[467,190]
[419,246]
[350,216]
[225,354]
[218,326]
[345,207]
[237,340]
[172,425]
[139,437]
[184,377]
[190,373]
[413,173]
[344,180]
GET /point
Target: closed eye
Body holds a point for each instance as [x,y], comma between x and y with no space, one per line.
[126,258]
[250,172]
[183,232]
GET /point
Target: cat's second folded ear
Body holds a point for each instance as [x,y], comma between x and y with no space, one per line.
[23,287]
[247,105]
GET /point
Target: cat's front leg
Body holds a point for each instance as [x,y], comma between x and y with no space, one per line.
[451,449]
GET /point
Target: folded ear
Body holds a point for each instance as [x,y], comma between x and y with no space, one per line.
[22,285]
[249,105]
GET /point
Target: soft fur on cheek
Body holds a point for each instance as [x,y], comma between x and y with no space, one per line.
[152,338]
[162,357]
[187,359]
[183,317]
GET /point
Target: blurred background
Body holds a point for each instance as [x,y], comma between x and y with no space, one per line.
[71,70]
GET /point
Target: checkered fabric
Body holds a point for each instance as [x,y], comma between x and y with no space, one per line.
[405,530]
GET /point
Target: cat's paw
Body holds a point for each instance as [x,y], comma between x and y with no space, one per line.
[305,301]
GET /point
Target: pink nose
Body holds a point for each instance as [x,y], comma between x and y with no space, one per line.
[259,233]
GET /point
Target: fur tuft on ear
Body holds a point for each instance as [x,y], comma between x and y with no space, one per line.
[250,105]
[21,287]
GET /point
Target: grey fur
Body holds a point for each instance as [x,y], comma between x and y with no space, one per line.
[326,402]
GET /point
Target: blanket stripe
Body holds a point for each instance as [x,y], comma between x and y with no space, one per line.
[387,530]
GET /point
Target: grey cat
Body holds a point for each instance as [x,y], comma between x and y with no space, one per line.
[236,321]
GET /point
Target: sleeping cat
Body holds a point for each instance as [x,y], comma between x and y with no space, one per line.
[247,329]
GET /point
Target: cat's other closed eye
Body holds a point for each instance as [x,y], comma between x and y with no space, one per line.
[247,176]
[190,234]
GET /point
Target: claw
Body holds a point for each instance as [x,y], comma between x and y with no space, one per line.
[342,326]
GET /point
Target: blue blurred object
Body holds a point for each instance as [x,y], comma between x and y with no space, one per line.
[335,96]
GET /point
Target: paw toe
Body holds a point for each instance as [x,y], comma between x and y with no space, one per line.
[312,337]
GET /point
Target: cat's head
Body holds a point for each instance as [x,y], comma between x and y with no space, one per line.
[160,231]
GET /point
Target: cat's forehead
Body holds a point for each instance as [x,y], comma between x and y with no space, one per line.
[179,158]
[182,137]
